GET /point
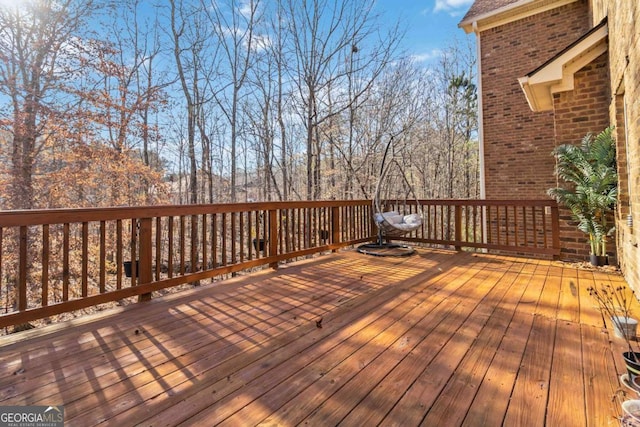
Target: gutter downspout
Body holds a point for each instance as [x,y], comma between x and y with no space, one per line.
[483,189]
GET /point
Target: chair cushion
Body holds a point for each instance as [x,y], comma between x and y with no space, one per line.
[413,219]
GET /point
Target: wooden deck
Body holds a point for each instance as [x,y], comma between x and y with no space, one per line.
[437,339]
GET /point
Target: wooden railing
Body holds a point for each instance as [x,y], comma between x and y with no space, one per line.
[513,226]
[57,261]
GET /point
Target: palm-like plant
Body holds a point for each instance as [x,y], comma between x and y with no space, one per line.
[590,168]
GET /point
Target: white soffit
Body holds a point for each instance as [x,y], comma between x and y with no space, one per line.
[556,75]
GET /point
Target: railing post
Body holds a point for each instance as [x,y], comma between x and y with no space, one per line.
[335,226]
[555,229]
[458,227]
[145,256]
[273,237]
[373,227]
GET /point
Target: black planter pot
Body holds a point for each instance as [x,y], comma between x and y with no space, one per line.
[127,268]
[598,260]
[258,244]
[324,234]
[633,365]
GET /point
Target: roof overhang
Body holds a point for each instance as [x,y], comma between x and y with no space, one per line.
[509,13]
[556,75]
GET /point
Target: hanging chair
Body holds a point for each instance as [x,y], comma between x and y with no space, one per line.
[393,213]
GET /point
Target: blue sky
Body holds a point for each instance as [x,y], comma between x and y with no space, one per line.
[430,25]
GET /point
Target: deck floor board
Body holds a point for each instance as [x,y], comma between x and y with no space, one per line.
[438,338]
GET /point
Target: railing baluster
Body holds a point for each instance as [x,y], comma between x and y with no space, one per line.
[465,213]
[544,229]
[440,217]
[182,244]
[241,237]
[428,222]
[515,227]
[22,272]
[45,263]
[103,257]
[498,224]
[250,227]
[134,251]
[65,262]
[85,260]
[233,233]
[489,222]
[223,233]
[259,237]
[535,226]
[282,214]
[214,240]
[170,246]
[118,254]
[300,228]
[525,225]
[506,223]
[204,243]
[193,238]
[475,224]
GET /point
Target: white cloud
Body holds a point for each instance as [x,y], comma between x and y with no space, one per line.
[261,42]
[427,56]
[245,9]
[453,7]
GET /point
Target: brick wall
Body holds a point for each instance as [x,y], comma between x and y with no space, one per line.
[624,63]
[583,110]
[518,142]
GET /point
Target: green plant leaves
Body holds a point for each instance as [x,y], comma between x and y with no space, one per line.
[590,170]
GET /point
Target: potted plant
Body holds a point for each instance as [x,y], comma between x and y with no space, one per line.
[615,304]
[590,169]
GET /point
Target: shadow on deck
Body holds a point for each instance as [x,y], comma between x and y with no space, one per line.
[440,338]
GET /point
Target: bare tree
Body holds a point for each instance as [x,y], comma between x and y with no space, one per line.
[41,55]
[392,109]
[126,88]
[456,121]
[189,35]
[325,34]
[233,23]
[300,94]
